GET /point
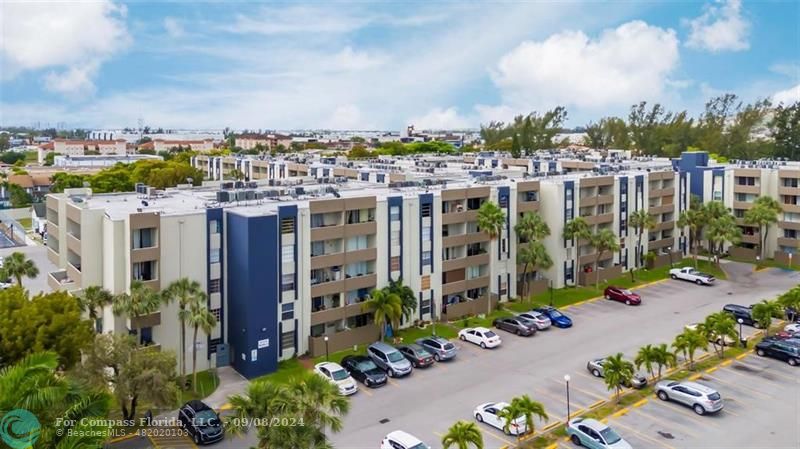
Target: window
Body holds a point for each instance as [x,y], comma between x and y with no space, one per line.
[213,255]
[394,213]
[474,203]
[395,238]
[287,253]
[357,242]
[287,225]
[317,248]
[214,286]
[287,340]
[287,282]
[426,233]
[145,271]
[426,258]
[425,210]
[143,238]
[213,227]
[287,311]
[353,216]
[394,263]
[531,196]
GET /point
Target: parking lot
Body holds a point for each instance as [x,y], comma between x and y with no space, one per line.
[39,256]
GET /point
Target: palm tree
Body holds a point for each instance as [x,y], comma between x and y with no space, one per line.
[318,403]
[694,219]
[764,213]
[640,221]
[187,293]
[663,358]
[647,357]
[688,342]
[764,311]
[577,229]
[720,231]
[790,301]
[713,211]
[531,227]
[463,435]
[407,297]
[386,308]
[491,220]
[532,254]
[522,407]
[604,240]
[141,301]
[617,372]
[199,317]
[16,265]
[716,328]
[92,300]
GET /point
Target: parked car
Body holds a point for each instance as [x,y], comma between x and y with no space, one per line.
[364,370]
[622,295]
[538,318]
[5,285]
[417,355]
[793,328]
[593,434]
[781,350]
[723,340]
[480,336]
[700,398]
[487,413]
[596,368]
[389,359]
[201,422]
[441,348]
[516,325]
[745,313]
[557,318]
[337,376]
[691,275]
[402,440]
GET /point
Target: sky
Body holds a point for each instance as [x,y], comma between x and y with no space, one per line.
[383,65]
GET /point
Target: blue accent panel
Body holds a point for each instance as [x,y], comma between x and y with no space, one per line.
[623,213]
[253,291]
[720,171]
[638,192]
[216,214]
[552,166]
[287,212]
[392,202]
[504,197]
[569,204]
[365,176]
[425,198]
[536,166]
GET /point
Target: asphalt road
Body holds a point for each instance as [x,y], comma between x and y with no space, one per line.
[39,256]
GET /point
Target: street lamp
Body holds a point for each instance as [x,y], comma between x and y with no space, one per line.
[790,260]
[742,341]
[566,379]
[758,261]
[550,285]
[669,250]
[327,354]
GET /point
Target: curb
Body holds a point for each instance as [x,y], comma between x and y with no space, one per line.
[647,284]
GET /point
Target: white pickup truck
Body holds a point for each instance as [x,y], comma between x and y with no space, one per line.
[691,275]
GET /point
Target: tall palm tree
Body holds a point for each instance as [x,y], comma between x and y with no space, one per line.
[577,229]
[790,301]
[318,402]
[663,358]
[531,227]
[640,221]
[386,308]
[522,407]
[187,293]
[532,254]
[141,301]
[718,327]
[764,213]
[617,372]
[17,265]
[463,435]
[602,241]
[688,342]
[407,297]
[713,211]
[200,318]
[695,220]
[764,312]
[646,357]
[720,231]
[491,220]
[92,300]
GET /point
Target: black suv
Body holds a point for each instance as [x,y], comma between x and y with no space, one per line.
[744,313]
[201,422]
[778,349]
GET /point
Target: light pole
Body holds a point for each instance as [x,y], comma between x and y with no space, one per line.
[758,261]
[790,260]
[669,250]
[566,379]
[742,341]
[327,354]
[550,285]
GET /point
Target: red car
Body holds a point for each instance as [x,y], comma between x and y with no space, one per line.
[622,295]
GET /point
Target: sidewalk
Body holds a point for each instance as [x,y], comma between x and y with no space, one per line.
[230,383]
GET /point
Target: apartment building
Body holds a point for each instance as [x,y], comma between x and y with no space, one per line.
[82,147]
[268,141]
[199,145]
[288,265]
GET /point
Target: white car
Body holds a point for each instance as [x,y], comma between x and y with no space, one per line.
[691,275]
[5,285]
[480,336]
[487,413]
[793,328]
[723,340]
[338,376]
[541,321]
[402,440]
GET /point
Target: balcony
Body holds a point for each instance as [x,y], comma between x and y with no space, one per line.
[789,225]
[478,282]
[754,238]
[783,190]
[74,273]
[454,287]
[527,206]
[60,280]
[664,225]
[327,232]
[52,228]
[654,193]
[655,245]
[742,205]
[150,320]
[369,280]
[327,260]
[454,240]
[598,219]
[360,255]
[52,255]
[589,259]
[655,210]
[476,237]
[792,243]
[74,243]
[595,200]
[463,262]
[742,188]
[145,254]
[366,228]
[460,217]
[336,313]
[788,207]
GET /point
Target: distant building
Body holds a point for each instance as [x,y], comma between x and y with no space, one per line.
[100,161]
[159,145]
[268,141]
[82,147]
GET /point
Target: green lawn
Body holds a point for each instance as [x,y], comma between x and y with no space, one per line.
[286,370]
[26,222]
[207,382]
[770,263]
[31,157]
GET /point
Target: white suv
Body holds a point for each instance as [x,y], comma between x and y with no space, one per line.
[402,440]
[700,398]
[338,376]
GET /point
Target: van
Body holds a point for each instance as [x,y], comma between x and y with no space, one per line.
[389,359]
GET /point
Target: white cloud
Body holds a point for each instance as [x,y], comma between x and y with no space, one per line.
[621,66]
[720,28]
[74,37]
[438,118]
[173,27]
[788,96]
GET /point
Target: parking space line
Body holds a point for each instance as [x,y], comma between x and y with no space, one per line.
[496,437]
[393,382]
[734,385]
[641,435]
[588,393]
[741,356]
[781,375]
[623,411]
[664,422]
[678,409]
[365,391]
[640,403]
[749,376]
[597,404]
[726,362]
[711,370]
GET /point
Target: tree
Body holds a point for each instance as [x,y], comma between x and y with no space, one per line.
[602,241]
[49,158]
[46,322]
[531,227]
[522,407]
[140,302]
[12,157]
[763,313]
[646,357]
[137,375]
[491,220]
[695,220]
[463,435]
[688,342]
[577,229]
[16,265]
[640,221]
[35,385]
[716,328]
[92,301]
[359,152]
[516,151]
[720,231]
[386,308]
[790,301]
[785,128]
[663,358]
[532,254]
[407,297]
[236,175]
[617,373]
[65,180]
[200,318]
[18,196]
[187,293]
[764,213]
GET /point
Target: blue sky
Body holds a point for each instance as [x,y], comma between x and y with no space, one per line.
[383,65]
